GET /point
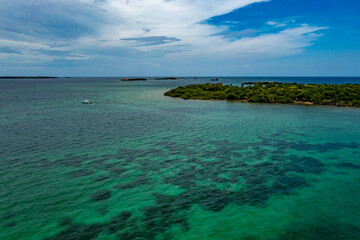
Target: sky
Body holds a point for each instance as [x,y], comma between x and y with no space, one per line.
[179,38]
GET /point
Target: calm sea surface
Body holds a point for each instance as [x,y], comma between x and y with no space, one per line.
[139,165]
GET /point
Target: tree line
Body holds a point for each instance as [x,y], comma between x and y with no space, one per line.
[274,92]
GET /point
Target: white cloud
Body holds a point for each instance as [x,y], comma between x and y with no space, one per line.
[286,42]
[76,56]
[177,29]
[271,23]
[276,24]
[184,20]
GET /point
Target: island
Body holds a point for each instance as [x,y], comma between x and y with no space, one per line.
[134,79]
[168,78]
[20,77]
[346,95]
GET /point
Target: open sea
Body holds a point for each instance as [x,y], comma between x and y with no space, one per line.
[136,165]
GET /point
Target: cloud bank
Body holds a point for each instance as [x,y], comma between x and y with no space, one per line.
[157,31]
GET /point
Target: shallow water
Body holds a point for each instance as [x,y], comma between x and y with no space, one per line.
[138,165]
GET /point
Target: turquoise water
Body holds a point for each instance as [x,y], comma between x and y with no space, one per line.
[138,165]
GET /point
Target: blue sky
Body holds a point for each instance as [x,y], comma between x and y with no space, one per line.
[180,37]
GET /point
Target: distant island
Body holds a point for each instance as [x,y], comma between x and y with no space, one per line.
[145,79]
[17,77]
[134,79]
[168,78]
[346,95]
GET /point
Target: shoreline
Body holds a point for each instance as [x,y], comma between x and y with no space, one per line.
[245,101]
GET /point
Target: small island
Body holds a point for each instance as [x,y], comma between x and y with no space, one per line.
[134,79]
[168,78]
[345,95]
[21,77]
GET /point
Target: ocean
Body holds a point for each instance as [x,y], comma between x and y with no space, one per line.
[138,165]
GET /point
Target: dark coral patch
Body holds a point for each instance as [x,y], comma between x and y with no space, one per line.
[81,173]
[138,181]
[65,221]
[101,178]
[305,146]
[118,222]
[8,215]
[348,165]
[211,175]
[12,224]
[101,195]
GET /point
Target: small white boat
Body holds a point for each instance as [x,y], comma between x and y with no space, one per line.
[87,102]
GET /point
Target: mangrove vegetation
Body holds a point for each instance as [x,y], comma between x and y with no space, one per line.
[347,95]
